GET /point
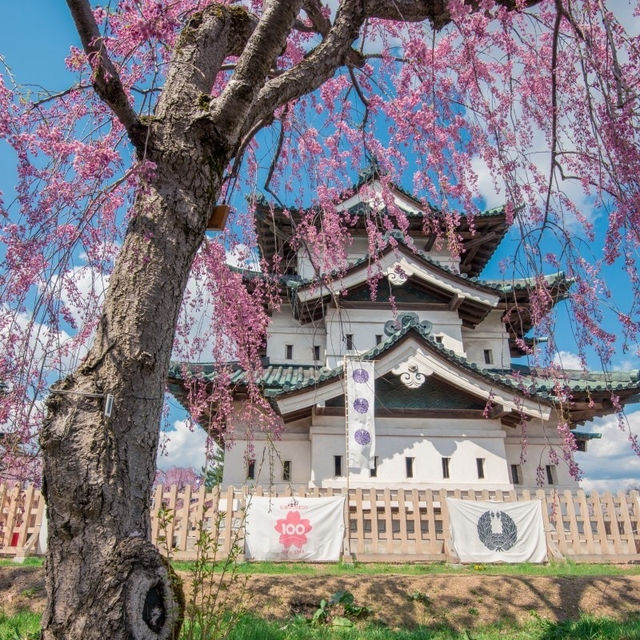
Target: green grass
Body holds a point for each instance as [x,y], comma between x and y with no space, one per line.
[358,568]
[31,561]
[25,625]
[587,628]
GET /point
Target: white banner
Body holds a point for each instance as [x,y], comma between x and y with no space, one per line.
[291,529]
[497,531]
[360,403]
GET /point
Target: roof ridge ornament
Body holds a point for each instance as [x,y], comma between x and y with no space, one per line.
[391,327]
[397,275]
[412,372]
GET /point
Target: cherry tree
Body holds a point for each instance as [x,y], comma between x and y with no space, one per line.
[178,107]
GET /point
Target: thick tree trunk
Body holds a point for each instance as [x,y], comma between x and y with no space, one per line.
[104,578]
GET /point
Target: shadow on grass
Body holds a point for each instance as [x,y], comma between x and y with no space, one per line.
[589,628]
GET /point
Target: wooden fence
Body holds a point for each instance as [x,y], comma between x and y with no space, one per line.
[384,524]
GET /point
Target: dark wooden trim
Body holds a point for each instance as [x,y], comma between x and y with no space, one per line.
[454,414]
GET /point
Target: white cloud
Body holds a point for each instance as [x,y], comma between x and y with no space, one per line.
[567,360]
[83,293]
[243,257]
[610,463]
[183,446]
[486,185]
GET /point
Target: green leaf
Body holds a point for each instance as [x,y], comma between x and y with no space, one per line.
[342,597]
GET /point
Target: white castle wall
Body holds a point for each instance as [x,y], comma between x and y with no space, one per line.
[489,334]
[311,455]
[285,330]
[365,324]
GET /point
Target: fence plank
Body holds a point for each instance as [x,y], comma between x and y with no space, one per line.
[228,520]
[634,497]
[14,497]
[600,526]
[574,541]
[359,523]
[402,515]
[388,521]
[183,523]
[626,522]
[23,527]
[417,521]
[586,522]
[607,498]
[375,530]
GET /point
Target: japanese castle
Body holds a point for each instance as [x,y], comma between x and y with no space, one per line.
[450,407]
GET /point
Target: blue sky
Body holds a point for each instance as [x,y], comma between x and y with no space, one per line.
[35,38]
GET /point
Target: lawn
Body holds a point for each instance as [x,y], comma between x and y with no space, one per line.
[586,628]
[26,626]
[359,568]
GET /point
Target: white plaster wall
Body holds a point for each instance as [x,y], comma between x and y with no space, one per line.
[443,257]
[427,441]
[294,447]
[364,324]
[538,444]
[359,248]
[489,334]
[312,452]
[284,330]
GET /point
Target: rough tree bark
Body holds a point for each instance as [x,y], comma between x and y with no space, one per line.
[104,579]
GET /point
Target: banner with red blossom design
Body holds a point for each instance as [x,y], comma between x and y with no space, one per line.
[291,529]
[360,413]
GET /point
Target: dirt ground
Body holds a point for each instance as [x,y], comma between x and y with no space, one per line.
[461,601]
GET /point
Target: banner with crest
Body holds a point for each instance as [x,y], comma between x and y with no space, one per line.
[294,529]
[360,406]
[497,531]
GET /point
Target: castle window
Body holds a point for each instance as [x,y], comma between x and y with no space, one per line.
[488,356]
[251,470]
[516,474]
[480,467]
[349,341]
[373,472]
[439,339]
[337,466]
[378,338]
[551,474]
[316,352]
[445,468]
[286,470]
[409,466]
[288,351]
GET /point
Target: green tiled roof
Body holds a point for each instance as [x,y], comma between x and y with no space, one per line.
[399,239]
[281,379]
[582,435]
[294,282]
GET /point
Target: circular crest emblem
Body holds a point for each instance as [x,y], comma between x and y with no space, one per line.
[360,376]
[361,405]
[489,522]
[362,437]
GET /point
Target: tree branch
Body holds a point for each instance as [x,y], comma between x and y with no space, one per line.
[436,11]
[313,70]
[265,44]
[106,80]
[210,36]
